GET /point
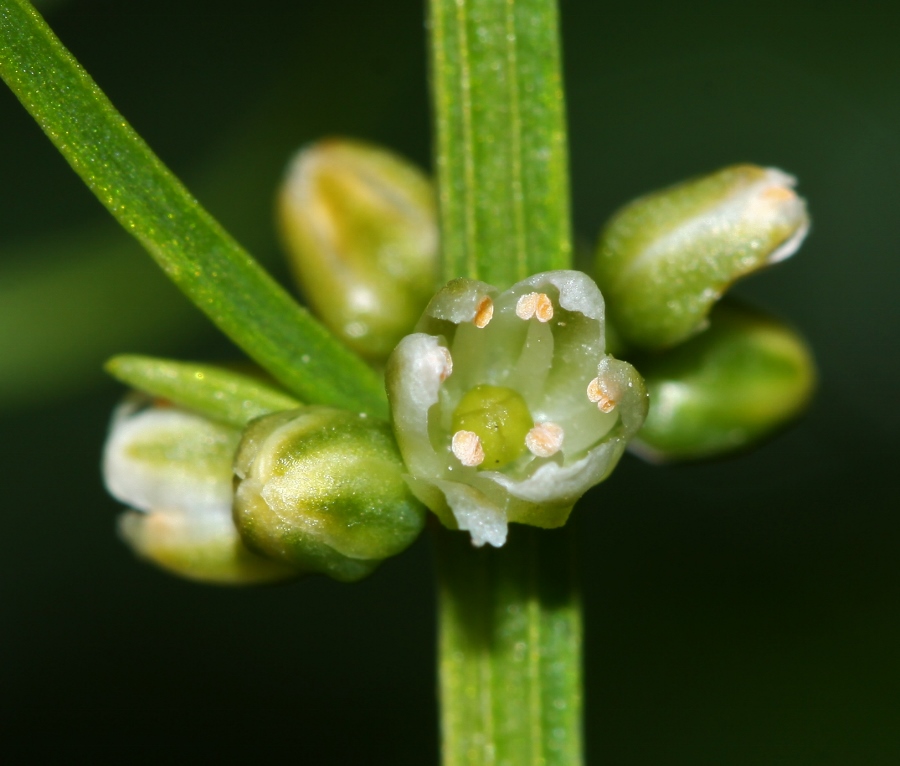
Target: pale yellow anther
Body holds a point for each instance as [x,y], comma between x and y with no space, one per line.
[545,439]
[448,363]
[779,194]
[535,305]
[484,313]
[598,393]
[466,446]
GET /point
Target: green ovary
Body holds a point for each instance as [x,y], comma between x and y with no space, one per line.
[500,418]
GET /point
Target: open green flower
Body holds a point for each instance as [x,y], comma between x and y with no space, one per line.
[506,406]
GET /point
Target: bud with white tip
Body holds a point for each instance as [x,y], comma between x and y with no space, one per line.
[360,227]
[666,258]
[174,468]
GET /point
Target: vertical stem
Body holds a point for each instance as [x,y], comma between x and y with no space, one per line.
[500,138]
[510,621]
[510,651]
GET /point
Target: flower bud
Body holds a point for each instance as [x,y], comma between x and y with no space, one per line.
[725,389]
[360,227]
[322,490]
[505,406]
[174,467]
[666,258]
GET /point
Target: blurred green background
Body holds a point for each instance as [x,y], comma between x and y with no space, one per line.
[742,612]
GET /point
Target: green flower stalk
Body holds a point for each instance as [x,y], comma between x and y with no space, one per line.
[173,467]
[360,227]
[726,389]
[665,259]
[506,407]
[322,490]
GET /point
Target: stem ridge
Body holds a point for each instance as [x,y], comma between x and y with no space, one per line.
[510,644]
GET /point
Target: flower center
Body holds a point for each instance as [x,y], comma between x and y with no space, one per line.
[500,420]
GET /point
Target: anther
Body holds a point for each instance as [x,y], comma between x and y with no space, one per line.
[535,305]
[779,194]
[484,313]
[448,363]
[596,392]
[466,446]
[545,439]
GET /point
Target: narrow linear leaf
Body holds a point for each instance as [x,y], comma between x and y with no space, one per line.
[211,268]
[72,298]
[501,138]
[216,392]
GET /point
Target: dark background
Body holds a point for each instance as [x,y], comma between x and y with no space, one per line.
[742,612]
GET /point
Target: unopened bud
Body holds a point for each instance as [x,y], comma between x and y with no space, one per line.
[322,490]
[174,468]
[666,258]
[360,227]
[737,382]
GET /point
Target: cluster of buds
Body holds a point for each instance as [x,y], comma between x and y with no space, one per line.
[505,405]
[721,377]
[309,490]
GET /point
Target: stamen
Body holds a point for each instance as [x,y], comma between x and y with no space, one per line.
[466,446]
[545,439]
[535,305]
[484,313]
[448,363]
[544,308]
[779,194]
[596,392]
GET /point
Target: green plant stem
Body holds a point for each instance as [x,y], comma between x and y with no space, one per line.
[510,650]
[510,621]
[207,264]
[501,138]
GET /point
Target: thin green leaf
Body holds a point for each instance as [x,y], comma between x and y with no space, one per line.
[501,138]
[191,247]
[70,299]
[220,394]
